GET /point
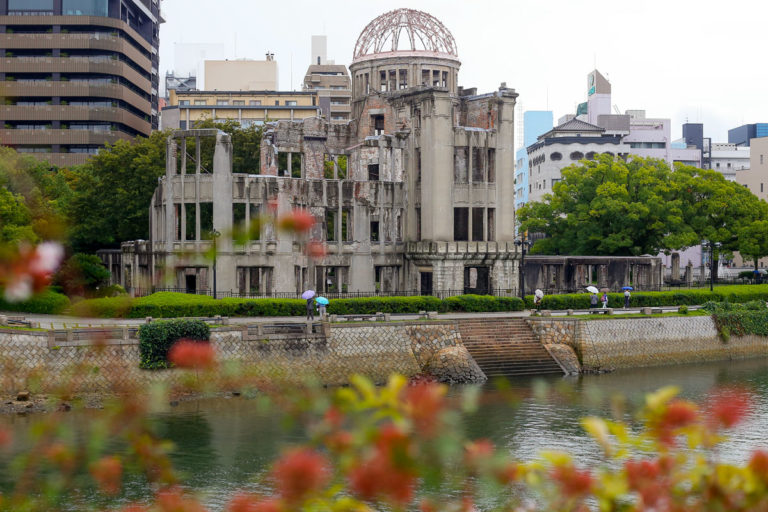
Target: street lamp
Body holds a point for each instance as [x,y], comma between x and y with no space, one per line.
[707,244]
[524,244]
[214,235]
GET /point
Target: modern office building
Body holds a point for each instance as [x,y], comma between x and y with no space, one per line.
[242,74]
[186,108]
[742,135]
[535,123]
[331,81]
[77,74]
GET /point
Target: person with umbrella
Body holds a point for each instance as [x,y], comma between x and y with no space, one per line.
[308,296]
[537,296]
[322,302]
[627,295]
[593,298]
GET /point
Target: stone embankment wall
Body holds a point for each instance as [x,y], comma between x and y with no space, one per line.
[45,359]
[638,342]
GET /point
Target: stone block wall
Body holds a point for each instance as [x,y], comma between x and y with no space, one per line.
[36,359]
[639,342]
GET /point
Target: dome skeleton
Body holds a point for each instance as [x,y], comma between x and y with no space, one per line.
[419,26]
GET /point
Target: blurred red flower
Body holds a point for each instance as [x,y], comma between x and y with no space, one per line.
[173,500]
[298,220]
[300,472]
[758,463]
[192,354]
[424,402]
[387,472]
[678,413]
[250,503]
[573,481]
[316,249]
[728,407]
[108,473]
[477,452]
[5,437]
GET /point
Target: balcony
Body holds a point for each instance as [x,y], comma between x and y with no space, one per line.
[74,88]
[96,41]
[74,113]
[11,65]
[48,137]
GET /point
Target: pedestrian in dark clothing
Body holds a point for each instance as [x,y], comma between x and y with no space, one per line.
[310,309]
[593,301]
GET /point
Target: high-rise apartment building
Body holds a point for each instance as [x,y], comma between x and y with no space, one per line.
[77,74]
[331,81]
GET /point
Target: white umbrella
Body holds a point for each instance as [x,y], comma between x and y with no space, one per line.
[538,293]
[592,289]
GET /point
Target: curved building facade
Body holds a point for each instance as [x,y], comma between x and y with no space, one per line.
[77,74]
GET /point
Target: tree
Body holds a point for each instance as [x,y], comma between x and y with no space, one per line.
[246,144]
[610,206]
[40,193]
[626,208]
[113,191]
[81,274]
[753,240]
[716,209]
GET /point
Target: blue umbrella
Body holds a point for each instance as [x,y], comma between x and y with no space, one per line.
[322,301]
[627,288]
[308,294]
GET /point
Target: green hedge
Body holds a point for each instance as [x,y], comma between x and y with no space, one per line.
[687,297]
[156,338]
[47,302]
[172,305]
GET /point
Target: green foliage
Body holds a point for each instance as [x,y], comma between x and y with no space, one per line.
[753,241]
[113,191]
[609,206]
[107,307]
[156,338]
[246,144]
[683,310]
[47,302]
[82,275]
[171,305]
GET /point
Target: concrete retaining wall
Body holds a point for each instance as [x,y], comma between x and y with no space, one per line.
[38,359]
[638,342]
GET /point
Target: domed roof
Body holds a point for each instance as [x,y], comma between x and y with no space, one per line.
[405,30]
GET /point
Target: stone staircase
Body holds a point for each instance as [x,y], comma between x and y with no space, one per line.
[506,347]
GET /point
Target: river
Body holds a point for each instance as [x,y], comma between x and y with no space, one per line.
[222,443]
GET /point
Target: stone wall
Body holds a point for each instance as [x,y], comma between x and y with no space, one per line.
[40,360]
[639,342]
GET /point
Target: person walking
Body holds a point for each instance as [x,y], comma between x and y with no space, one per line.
[321,310]
[604,300]
[593,301]
[626,299]
[310,309]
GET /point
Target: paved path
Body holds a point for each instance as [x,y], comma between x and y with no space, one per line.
[61,321]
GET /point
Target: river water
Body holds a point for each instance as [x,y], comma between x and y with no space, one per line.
[223,445]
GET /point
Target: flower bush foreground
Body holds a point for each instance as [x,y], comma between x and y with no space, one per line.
[396,447]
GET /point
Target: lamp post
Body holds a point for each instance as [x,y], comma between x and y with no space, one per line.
[214,235]
[708,244]
[524,244]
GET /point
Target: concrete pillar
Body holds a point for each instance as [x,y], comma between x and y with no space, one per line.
[689,273]
[170,170]
[505,167]
[222,212]
[675,276]
[437,169]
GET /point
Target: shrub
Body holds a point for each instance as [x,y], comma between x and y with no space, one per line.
[81,275]
[482,303]
[156,338]
[683,310]
[113,290]
[107,307]
[47,302]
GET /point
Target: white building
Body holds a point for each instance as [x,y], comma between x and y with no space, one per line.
[729,159]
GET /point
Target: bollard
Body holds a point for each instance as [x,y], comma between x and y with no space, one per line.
[148,320]
[609,312]
[569,312]
[546,312]
[3,320]
[646,311]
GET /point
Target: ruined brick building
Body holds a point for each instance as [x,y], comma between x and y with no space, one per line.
[414,194]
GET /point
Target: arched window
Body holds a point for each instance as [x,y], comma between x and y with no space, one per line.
[591,155]
[556,156]
[608,153]
[577,155]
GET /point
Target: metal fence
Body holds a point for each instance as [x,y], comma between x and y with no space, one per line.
[507,292]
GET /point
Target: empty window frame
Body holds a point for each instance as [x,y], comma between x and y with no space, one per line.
[375,234]
[377,124]
[460,162]
[491,165]
[478,229]
[373,172]
[478,171]
[461,224]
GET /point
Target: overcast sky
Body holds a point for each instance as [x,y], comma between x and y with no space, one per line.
[700,60]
